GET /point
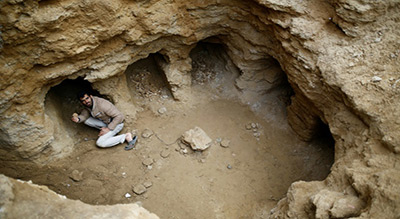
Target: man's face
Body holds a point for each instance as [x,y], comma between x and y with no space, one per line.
[87,100]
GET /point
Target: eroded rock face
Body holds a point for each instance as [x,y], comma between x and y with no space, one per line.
[330,51]
[21,199]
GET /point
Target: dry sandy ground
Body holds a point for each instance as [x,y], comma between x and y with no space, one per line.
[195,184]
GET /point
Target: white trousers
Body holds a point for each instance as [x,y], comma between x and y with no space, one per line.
[109,139]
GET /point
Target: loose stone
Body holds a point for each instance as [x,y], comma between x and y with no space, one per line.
[248,126]
[197,139]
[162,110]
[164,153]
[147,133]
[127,195]
[147,184]
[139,189]
[376,79]
[76,175]
[229,166]
[225,143]
[148,162]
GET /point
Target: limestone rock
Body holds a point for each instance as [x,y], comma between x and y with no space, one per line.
[76,175]
[147,184]
[346,207]
[40,202]
[225,143]
[147,133]
[338,205]
[162,110]
[164,153]
[139,189]
[197,139]
[148,162]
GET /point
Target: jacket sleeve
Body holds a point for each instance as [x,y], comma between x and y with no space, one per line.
[84,115]
[112,111]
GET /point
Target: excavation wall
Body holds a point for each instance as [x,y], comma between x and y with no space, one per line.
[340,58]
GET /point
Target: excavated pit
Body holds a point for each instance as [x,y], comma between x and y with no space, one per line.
[251,72]
[245,179]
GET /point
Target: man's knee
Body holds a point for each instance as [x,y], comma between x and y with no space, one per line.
[100,143]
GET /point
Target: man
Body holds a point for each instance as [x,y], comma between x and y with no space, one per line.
[103,115]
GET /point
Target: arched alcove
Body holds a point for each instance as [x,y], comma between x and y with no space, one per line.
[60,103]
[146,79]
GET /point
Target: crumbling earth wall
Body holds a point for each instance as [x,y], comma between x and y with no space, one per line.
[340,57]
[21,199]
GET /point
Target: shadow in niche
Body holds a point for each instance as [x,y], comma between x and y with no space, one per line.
[325,142]
[212,67]
[146,78]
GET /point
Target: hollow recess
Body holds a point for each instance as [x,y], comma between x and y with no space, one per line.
[60,102]
[145,78]
[245,106]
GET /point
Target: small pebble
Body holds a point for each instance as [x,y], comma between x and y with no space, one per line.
[148,162]
[139,189]
[229,166]
[164,153]
[76,176]
[376,79]
[225,143]
[127,195]
[248,126]
[147,133]
[147,184]
[162,110]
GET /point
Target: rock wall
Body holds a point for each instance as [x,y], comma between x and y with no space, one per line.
[21,199]
[340,57]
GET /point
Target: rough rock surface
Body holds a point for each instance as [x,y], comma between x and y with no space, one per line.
[331,51]
[197,139]
[21,199]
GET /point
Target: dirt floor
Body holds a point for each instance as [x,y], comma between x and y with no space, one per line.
[245,179]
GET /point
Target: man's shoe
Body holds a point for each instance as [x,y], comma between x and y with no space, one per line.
[131,144]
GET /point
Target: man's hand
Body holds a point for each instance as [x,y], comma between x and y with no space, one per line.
[75,118]
[104,131]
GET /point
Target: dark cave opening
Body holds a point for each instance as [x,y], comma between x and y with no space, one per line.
[61,102]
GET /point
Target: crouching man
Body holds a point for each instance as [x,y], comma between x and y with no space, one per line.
[103,115]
